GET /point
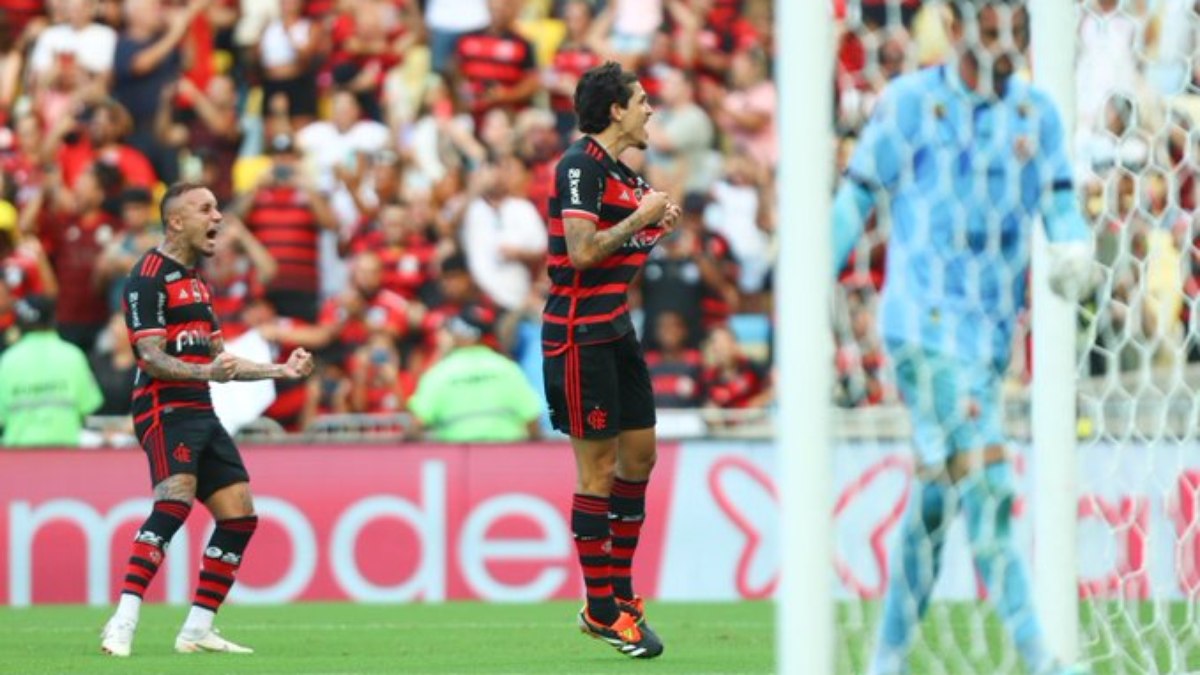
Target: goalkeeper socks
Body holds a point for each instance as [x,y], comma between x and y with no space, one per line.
[219,566]
[913,570]
[149,547]
[589,524]
[626,512]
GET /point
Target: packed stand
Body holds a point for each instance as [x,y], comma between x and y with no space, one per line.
[384,167]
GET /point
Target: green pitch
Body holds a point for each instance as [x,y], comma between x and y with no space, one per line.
[724,638]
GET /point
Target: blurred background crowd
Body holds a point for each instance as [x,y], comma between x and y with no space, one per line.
[384,166]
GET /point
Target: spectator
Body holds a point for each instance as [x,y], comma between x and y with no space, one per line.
[328,391]
[78,41]
[578,53]
[735,215]
[370,41]
[290,408]
[676,370]
[719,270]
[75,237]
[404,251]
[288,54]
[24,268]
[731,380]
[495,67]
[747,113]
[473,394]
[209,131]
[672,283]
[149,60]
[237,274]
[78,147]
[286,213]
[681,137]
[633,23]
[1112,37]
[139,234]
[46,386]
[19,28]
[503,238]
[378,383]
[342,141]
[538,147]
[449,20]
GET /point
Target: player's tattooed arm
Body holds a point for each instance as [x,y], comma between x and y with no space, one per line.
[587,245]
[161,366]
[298,366]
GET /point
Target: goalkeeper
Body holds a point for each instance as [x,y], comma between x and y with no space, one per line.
[966,156]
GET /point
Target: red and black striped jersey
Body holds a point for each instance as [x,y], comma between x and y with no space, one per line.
[164,298]
[487,59]
[571,60]
[590,306]
[677,382]
[282,218]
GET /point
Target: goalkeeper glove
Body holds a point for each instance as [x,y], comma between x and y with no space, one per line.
[1071,269]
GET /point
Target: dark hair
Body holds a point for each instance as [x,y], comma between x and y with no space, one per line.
[597,91]
[175,192]
[958,11]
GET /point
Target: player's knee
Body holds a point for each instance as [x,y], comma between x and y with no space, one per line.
[931,505]
[180,487]
[988,499]
[596,479]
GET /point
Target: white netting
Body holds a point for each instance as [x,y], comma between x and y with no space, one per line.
[1136,155]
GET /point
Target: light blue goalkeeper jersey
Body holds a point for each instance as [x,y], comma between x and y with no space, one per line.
[963,178]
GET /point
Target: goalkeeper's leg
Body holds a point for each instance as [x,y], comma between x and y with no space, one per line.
[913,571]
[987,498]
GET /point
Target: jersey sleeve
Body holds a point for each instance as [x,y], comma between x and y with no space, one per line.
[877,157]
[580,184]
[145,307]
[1060,209]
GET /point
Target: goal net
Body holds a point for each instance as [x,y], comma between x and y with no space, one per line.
[1134,142]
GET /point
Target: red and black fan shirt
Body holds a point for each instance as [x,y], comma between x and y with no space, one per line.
[487,59]
[591,306]
[164,298]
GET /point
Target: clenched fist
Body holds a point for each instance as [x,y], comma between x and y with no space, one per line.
[299,365]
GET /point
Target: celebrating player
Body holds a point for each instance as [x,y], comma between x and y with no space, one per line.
[967,155]
[175,333]
[604,219]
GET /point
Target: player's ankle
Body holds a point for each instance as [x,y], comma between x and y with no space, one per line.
[604,612]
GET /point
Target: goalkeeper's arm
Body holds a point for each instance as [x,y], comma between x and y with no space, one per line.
[1071,247]
[851,207]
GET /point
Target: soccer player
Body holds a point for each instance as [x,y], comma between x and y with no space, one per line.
[169,315]
[967,156]
[604,219]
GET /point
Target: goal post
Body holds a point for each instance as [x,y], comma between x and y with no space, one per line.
[1054,458]
[804,278]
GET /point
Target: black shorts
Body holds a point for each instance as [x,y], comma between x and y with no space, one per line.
[197,445]
[599,390]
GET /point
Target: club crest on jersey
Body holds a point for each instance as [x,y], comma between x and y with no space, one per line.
[646,238]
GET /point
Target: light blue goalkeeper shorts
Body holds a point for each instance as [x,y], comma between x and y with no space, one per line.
[954,406]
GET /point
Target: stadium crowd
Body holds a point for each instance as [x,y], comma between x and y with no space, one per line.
[384,167]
